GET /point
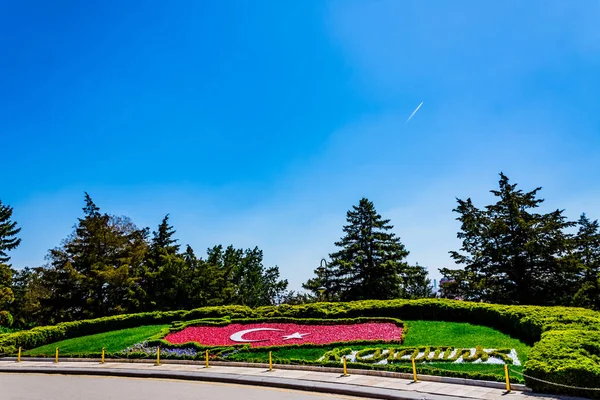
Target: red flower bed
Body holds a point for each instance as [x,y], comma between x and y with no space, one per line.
[267,334]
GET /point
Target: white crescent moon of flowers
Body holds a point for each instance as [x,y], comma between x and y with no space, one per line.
[238,336]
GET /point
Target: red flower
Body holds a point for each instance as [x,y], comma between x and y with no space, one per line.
[277,334]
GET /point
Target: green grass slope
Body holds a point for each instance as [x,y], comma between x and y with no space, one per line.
[111,341]
[564,339]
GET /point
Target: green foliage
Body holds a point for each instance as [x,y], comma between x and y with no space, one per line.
[112,341]
[370,263]
[566,354]
[459,334]
[108,266]
[514,255]
[8,241]
[511,254]
[6,295]
[569,357]
[95,271]
[587,255]
[8,232]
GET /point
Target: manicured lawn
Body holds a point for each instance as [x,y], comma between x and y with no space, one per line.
[112,341]
[421,333]
[458,334]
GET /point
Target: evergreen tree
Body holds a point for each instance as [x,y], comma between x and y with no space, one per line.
[166,274]
[587,255]
[8,233]
[256,285]
[370,263]
[96,271]
[8,241]
[415,283]
[205,281]
[239,277]
[512,254]
[6,295]
[30,293]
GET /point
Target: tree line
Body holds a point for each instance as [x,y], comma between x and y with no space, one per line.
[109,266]
[510,254]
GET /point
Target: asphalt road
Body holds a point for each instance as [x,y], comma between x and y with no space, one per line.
[65,387]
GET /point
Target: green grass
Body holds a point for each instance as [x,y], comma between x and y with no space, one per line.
[420,333]
[112,342]
[457,334]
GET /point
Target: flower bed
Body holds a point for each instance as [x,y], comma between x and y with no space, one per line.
[283,334]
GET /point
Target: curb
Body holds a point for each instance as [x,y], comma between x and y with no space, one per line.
[284,383]
[385,374]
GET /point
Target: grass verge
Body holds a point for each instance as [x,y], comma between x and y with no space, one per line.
[420,333]
[112,342]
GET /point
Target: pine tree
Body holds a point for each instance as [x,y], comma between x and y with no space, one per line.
[370,263]
[512,254]
[96,270]
[8,233]
[8,241]
[167,273]
[587,255]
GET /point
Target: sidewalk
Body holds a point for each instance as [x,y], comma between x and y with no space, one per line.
[298,379]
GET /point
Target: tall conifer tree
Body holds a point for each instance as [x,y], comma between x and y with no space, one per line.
[8,232]
[370,263]
[8,241]
[511,253]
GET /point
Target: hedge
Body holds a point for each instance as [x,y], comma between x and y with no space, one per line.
[565,340]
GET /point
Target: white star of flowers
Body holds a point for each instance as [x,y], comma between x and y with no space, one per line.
[296,335]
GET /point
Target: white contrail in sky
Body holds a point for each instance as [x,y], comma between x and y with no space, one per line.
[414,112]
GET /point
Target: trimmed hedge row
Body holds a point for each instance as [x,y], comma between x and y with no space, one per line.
[566,339]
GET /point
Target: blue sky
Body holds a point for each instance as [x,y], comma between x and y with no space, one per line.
[260,123]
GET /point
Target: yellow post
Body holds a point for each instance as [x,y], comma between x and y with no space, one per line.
[207,359]
[102,362]
[507,377]
[19,355]
[56,356]
[414,370]
[345,369]
[270,361]
[158,355]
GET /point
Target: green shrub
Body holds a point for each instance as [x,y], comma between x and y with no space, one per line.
[565,339]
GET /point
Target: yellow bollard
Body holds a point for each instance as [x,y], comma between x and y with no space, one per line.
[507,377]
[345,369]
[270,361]
[414,370]
[102,362]
[19,355]
[158,356]
[56,356]
[207,359]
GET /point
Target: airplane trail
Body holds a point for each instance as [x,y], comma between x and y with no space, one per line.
[414,112]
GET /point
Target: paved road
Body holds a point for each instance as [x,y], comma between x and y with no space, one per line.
[65,387]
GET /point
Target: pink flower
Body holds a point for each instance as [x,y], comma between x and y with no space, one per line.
[277,334]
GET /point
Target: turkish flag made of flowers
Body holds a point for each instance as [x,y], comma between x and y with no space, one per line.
[278,334]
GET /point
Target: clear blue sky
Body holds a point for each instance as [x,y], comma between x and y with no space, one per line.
[260,123]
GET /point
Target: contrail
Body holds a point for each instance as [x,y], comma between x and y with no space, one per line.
[414,112]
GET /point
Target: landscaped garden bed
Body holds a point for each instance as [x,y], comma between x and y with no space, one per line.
[449,338]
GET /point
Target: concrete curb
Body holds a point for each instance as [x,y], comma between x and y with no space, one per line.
[264,381]
[385,374]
